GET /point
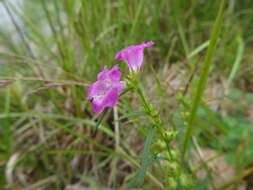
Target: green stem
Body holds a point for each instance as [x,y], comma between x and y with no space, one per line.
[145,103]
[153,114]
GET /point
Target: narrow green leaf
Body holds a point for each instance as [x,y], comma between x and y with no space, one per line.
[100,119]
[198,49]
[238,59]
[145,160]
[203,77]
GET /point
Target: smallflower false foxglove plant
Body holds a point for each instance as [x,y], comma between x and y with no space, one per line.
[133,55]
[106,90]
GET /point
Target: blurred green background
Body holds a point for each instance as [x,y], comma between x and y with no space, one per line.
[51,50]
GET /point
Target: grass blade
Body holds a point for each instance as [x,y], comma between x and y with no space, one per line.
[203,77]
[18,29]
[198,49]
[237,62]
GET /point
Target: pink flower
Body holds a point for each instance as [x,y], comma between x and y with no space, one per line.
[105,91]
[133,55]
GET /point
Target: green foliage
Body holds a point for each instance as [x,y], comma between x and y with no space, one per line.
[238,142]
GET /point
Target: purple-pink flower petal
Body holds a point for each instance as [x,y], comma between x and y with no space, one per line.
[133,55]
[115,73]
[103,74]
[105,91]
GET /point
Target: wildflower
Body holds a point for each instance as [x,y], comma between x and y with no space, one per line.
[133,55]
[105,91]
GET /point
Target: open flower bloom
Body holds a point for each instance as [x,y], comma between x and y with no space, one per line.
[133,55]
[105,91]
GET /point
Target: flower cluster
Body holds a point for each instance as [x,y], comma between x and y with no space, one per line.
[105,91]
